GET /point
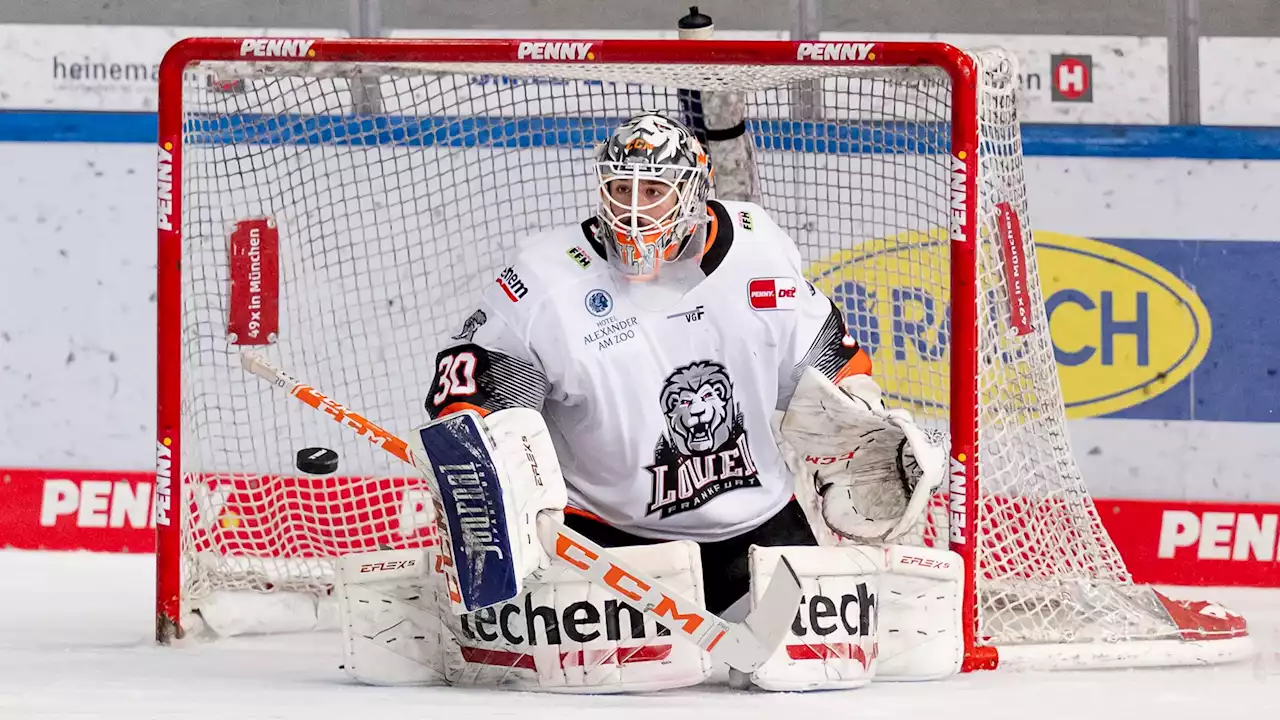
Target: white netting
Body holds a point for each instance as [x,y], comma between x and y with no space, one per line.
[398,192]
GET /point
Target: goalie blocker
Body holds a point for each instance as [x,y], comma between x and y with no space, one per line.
[487,500]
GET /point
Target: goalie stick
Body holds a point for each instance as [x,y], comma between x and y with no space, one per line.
[742,646]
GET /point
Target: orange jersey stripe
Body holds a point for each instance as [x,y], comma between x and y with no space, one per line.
[454,407]
[859,364]
[570,510]
[711,231]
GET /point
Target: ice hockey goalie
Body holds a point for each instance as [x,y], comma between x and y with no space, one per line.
[666,364]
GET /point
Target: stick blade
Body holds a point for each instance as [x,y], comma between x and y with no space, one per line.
[749,644]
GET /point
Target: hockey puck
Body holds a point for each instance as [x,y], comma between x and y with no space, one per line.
[317,460]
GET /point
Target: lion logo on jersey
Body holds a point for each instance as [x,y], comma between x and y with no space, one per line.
[696,400]
[705,451]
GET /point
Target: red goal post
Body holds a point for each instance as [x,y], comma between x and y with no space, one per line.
[958,203]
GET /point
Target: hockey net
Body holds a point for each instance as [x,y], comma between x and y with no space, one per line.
[352,200]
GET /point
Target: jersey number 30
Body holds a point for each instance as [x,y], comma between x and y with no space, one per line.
[457,375]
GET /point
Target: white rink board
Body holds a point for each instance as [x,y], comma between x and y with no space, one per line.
[1130,82]
[77,67]
[1238,81]
[64,654]
[84,67]
[97,67]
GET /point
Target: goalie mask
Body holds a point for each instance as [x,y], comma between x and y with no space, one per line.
[654,181]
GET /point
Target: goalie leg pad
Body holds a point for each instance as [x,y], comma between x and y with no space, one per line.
[833,639]
[490,477]
[921,624]
[390,610]
[564,635]
[569,635]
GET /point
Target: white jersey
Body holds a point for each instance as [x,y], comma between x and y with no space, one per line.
[661,420]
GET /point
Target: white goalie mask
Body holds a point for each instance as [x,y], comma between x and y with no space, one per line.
[654,181]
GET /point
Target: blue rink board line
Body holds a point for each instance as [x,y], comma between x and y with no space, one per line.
[1134,141]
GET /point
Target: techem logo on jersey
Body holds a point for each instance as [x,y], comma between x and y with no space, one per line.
[1072,78]
[555,51]
[598,303]
[164,186]
[772,293]
[835,51]
[705,452]
[277,47]
[511,284]
[689,316]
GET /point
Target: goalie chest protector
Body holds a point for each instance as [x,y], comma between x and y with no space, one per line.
[660,417]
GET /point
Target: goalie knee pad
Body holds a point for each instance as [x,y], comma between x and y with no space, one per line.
[564,635]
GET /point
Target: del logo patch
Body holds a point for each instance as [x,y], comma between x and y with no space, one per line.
[772,293]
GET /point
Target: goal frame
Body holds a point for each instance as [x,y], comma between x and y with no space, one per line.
[963,399]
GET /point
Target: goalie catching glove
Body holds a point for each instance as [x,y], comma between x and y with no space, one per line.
[873,469]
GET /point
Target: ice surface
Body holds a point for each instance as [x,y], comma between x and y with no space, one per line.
[75,642]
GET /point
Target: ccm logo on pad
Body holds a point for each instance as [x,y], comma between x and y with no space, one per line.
[772,293]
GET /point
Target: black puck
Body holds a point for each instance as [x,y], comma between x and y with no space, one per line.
[317,460]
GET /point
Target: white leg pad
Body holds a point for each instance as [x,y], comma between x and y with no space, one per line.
[392,633]
[921,596]
[832,643]
[562,635]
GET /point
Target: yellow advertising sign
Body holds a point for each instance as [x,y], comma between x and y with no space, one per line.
[1124,329]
